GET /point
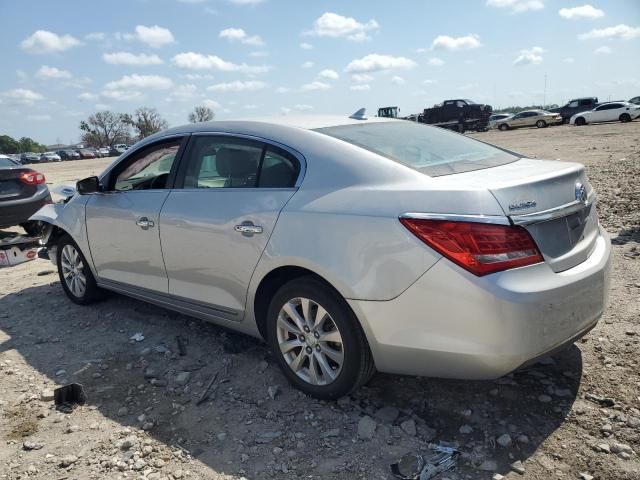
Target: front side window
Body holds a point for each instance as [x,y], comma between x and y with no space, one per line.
[148,169]
[585,102]
[573,104]
[430,150]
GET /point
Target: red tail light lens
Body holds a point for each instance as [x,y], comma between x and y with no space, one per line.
[480,248]
[32,178]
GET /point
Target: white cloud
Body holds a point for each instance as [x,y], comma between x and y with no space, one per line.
[584,11]
[43,41]
[154,36]
[127,58]
[103,106]
[39,118]
[397,80]
[285,110]
[122,95]
[259,54]
[532,56]
[199,61]
[246,2]
[329,74]
[87,96]
[237,86]
[569,60]
[22,96]
[517,6]
[52,72]
[621,31]
[435,62]
[95,37]
[142,82]
[429,81]
[336,26]
[212,104]
[445,42]
[603,51]
[239,35]
[306,46]
[302,108]
[375,62]
[250,107]
[283,90]
[361,77]
[307,64]
[360,88]
[315,85]
[183,92]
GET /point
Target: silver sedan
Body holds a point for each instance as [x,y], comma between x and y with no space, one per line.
[349,244]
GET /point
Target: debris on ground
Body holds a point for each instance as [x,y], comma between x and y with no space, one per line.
[67,396]
[137,337]
[424,467]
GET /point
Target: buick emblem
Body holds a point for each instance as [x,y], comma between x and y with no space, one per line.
[581,193]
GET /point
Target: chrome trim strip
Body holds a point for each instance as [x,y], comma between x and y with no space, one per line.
[555,212]
[453,217]
[173,302]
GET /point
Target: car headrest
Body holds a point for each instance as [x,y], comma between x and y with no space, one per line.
[234,162]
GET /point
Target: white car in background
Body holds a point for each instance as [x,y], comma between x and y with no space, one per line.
[608,112]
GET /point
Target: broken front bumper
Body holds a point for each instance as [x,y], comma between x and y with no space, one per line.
[453,324]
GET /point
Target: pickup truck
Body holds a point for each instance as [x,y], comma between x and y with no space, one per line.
[459,114]
[577,105]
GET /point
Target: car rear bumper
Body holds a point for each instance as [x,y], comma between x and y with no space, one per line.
[18,211]
[452,324]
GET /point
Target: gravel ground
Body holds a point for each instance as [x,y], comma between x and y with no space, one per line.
[575,415]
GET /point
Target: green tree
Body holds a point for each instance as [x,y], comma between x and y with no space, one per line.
[27,144]
[8,144]
[106,128]
[201,114]
[147,121]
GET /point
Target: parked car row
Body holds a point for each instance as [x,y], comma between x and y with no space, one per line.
[69,154]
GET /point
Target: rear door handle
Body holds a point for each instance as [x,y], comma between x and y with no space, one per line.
[144,223]
[248,229]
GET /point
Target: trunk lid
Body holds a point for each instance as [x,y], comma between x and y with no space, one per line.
[553,200]
[11,187]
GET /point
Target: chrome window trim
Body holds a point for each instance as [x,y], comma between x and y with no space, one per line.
[554,213]
[454,217]
[301,159]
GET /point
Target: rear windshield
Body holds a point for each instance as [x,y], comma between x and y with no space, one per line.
[7,162]
[430,150]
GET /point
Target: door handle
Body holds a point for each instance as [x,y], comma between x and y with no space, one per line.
[248,229]
[144,223]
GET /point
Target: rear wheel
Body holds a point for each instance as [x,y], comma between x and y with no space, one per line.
[580,121]
[625,117]
[75,275]
[317,340]
[503,127]
[541,124]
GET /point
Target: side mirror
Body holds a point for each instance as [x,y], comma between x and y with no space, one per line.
[88,185]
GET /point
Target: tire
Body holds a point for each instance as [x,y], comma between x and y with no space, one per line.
[580,121]
[73,288]
[541,124]
[625,117]
[349,361]
[503,127]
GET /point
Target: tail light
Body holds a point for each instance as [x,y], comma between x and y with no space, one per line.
[480,248]
[32,178]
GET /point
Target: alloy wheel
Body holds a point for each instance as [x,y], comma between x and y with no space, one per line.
[73,270]
[310,341]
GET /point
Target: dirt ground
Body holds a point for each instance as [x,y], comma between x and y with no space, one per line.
[575,415]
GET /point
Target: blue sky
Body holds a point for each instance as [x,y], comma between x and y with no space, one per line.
[63,60]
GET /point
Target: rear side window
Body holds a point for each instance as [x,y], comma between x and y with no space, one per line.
[430,150]
[225,162]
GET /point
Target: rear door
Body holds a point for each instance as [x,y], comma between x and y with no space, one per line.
[215,228]
[123,220]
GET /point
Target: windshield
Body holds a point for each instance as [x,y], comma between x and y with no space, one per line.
[7,162]
[470,102]
[430,150]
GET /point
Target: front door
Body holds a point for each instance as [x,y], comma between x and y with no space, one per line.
[123,219]
[215,228]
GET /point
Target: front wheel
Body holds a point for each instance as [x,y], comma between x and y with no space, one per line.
[625,117]
[317,340]
[75,275]
[580,121]
[541,124]
[503,127]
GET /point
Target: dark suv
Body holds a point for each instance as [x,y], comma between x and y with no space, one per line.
[577,105]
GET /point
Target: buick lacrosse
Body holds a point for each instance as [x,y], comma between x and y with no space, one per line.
[349,244]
